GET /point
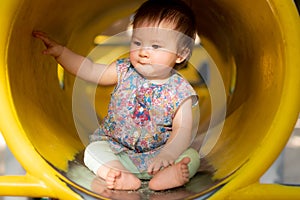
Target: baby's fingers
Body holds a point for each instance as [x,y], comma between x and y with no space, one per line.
[166,163]
[44,37]
[39,34]
[53,48]
[154,168]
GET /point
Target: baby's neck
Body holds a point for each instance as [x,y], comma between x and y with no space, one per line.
[161,80]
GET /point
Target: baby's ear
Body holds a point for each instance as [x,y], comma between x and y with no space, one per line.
[182,55]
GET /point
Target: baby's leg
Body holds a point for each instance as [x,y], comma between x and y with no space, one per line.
[99,158]
[185,168]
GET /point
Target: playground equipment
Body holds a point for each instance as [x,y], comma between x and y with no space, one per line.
[255,44]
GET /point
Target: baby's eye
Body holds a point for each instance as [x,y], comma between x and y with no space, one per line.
[136,43]
[156,46]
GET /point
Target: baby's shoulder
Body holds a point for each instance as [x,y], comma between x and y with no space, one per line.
[123,64]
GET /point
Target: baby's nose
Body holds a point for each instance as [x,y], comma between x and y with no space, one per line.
[144,52]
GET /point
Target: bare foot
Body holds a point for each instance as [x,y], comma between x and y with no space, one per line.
[172,176]
[120,180]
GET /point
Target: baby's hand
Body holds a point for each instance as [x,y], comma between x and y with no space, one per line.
[159,162]
[53,48]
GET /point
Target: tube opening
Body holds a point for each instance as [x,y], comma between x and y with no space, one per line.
[247,48]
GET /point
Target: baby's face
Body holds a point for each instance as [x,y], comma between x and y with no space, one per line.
[154,50]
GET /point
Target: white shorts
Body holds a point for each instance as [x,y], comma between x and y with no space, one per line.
[97,154]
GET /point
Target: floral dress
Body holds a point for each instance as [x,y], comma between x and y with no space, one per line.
[140,114]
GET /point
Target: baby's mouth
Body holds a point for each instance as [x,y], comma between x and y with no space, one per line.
[144,62]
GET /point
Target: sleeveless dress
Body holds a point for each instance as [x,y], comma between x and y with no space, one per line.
[140,114]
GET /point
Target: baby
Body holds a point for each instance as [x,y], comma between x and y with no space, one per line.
[148,129]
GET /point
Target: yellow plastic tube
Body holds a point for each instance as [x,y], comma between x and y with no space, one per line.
[255,45]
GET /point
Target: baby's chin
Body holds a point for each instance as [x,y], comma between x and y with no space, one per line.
[156,79]
[149,72]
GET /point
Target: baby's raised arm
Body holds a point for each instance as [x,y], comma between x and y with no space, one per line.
[179,141]
[76,64]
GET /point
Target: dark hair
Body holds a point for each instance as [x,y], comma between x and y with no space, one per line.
[173,11]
